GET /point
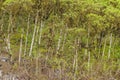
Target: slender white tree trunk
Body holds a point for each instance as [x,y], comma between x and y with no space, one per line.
[42,25]
[20,51]
[89,66]
[76,66]
[38,39]
[59,41]
[64,38]
[104,47]
[33,37]
[76,59]
[109,52]
[7,40]
[87,45]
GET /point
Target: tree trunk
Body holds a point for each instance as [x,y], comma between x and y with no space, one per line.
[33,37]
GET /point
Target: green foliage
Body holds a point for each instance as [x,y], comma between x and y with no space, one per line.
[7,2]
[77,31]
[71,29]
[15,39]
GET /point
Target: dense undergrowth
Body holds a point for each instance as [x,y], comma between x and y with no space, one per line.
[61,39]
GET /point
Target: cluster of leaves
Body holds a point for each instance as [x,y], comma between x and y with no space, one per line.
[69,26]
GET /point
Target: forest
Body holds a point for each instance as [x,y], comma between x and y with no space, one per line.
[59,39]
